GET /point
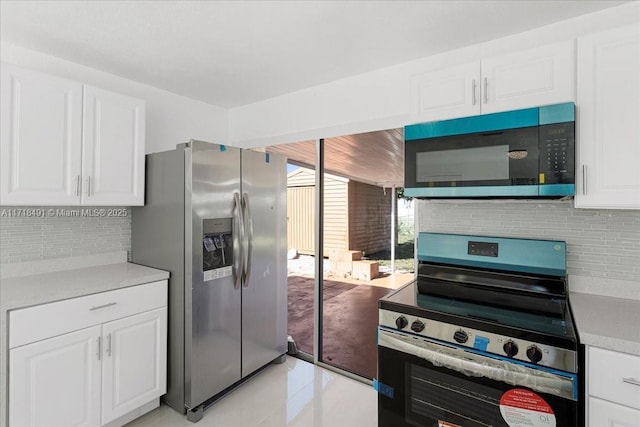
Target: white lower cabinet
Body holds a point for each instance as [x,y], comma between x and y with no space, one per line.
[606,414]
[56,382]
[101,374]
[613,385]
[134,364]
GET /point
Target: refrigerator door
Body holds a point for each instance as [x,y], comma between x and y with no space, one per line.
[212,301]
[264,291]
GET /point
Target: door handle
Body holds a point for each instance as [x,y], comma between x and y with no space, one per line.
[99,354]
[631,381]
[485,95]
[89,186]
[78,185]
[98,307]
[248,222]
[238,239]
[473,92]
[584,179]
[109,345]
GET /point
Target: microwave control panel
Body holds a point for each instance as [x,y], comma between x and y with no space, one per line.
[557,153]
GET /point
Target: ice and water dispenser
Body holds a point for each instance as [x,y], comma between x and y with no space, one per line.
[217,248]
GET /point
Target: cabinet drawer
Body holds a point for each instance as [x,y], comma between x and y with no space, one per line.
[48,320]
[607,414]
[614,376]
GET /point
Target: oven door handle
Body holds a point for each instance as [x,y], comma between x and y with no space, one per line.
[477,365]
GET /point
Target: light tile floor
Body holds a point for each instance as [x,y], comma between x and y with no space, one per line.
[294,394]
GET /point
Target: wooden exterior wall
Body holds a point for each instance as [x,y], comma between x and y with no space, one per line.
[356,215]
[301,213]
[369,218]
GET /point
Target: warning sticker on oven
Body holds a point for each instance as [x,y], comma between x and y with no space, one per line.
[524,408]
[446,424]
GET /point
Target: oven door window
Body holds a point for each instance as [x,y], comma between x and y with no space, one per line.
[432,393]
[508,157]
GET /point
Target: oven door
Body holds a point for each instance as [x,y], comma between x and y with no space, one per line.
[428,384]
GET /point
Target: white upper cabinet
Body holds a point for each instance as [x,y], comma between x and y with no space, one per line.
[446,93]
[66,144]
[535,77]
[608,163]
[41,138]
[540,76]
[113,151]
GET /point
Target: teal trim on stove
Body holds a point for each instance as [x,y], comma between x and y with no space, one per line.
[559,113]
[521,255]
[556,190]
[481,191]
[474,124]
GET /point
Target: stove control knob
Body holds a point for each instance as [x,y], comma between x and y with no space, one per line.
[417,326]
[461,336]
[510,348]
[401,322]
[534,354]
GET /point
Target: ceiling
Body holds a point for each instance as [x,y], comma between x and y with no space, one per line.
[233,53]
[373,157]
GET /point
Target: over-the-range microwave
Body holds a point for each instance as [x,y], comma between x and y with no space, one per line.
[522,153]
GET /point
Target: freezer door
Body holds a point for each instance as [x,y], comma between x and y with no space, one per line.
[264,291]
[212,298]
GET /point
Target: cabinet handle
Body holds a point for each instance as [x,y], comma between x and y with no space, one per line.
[631,381]
[89,186]
[98,307]
[109,345]
[485,96]
[99,347]
[473,92]
[584,179]
[78,185]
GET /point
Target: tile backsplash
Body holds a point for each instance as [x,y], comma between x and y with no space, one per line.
[600,243]
[62,232]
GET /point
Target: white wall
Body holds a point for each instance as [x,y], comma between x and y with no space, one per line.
[382,99]
[170,118]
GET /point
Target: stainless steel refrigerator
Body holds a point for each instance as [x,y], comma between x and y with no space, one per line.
[215,217]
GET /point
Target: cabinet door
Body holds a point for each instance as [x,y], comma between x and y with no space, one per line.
[135,362]
[56,382]
[531,78]
[447,93]
[40,138]
[607,414]
[113,150]
[608,125]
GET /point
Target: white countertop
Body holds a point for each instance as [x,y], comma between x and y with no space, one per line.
[42,288]
[27,290]
[607,322]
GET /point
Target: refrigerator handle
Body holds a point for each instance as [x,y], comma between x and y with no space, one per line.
[248,228]
[238,240]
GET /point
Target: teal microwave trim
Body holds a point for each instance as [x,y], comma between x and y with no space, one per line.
[480,191]
[555,190]
[475,124]
[559,113]
[520,255]
[548,114]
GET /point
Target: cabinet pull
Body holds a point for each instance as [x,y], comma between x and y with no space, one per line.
[109,345]
[89,186]
[473,92]
[584,179]
[99,347]
[78,185]
[98,307]
[485,96]
[631,381]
